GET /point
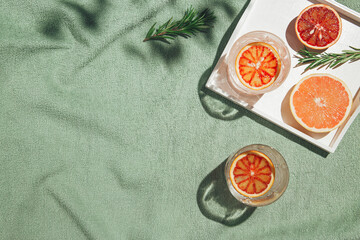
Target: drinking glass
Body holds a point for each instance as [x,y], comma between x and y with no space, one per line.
[281,175]
[253,37]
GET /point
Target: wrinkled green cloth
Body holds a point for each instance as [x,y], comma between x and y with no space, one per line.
[103,136]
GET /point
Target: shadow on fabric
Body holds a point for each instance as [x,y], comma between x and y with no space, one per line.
[216,202]
[90,17]
[169,53]
[54,21]
[215,105]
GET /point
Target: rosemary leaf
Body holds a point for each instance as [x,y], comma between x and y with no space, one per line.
[191,23]
[331,60]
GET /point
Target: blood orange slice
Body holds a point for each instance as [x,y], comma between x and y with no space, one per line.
[320,102]
[318,26]
[257,65]
[252,174]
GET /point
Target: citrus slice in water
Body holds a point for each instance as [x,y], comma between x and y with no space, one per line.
[318,26]
[257,65]
[252,174]
[320,102]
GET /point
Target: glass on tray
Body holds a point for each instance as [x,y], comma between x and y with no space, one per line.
[258,62]
[256,175]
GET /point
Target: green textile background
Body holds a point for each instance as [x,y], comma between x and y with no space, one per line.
[103,136]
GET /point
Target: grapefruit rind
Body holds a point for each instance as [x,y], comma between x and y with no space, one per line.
[276,55]
[300,121]
[313,46]
[233,165]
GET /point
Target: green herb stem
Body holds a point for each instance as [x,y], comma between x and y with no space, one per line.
[191,23]
[331,60]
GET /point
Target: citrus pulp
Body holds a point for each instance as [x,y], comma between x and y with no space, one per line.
[320,102]
[257,65]
[252,174]
[318,26]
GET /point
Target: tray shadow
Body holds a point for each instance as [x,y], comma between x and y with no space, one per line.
[217,106]
[216,202]
[214,104]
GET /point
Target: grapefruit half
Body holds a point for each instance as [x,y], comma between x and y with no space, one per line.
[318,26]
[320,102]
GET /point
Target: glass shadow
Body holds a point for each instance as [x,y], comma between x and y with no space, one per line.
[216,202]
[215,105]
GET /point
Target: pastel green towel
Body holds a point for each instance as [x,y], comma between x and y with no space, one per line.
[103,136]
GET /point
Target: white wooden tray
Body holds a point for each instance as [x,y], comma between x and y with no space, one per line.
[278,17]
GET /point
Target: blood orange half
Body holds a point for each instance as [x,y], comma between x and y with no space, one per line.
[320,102]
[257,65]
[252,174]
[318,26]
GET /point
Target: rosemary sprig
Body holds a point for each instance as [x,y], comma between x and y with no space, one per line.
[191,23]
[331,60]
